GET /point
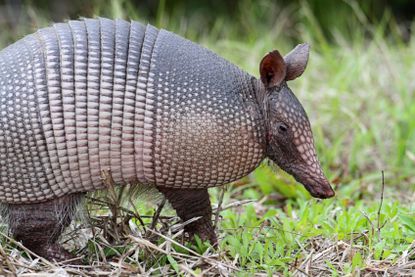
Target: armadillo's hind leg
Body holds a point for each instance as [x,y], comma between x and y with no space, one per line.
[191,203]
[38,226]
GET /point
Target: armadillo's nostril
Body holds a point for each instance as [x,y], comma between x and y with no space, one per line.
[318,187]
[329,193]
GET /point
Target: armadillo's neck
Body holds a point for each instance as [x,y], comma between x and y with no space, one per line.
[260,93]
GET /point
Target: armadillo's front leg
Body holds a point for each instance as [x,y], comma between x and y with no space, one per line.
[190,203]
[38,226]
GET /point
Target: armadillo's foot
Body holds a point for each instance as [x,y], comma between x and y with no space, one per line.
[55,252]
[204,229]
[38,226]
[191,203]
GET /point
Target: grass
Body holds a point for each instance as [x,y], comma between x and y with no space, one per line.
[358,91]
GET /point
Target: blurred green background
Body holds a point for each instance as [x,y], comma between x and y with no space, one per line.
[358,91]
[230,18]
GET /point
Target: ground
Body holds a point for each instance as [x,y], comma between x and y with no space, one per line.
[358,91]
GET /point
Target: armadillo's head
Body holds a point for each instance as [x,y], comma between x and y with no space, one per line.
[290,140]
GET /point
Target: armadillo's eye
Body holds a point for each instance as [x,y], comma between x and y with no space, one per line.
[282,128]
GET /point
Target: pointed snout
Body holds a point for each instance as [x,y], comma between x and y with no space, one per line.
[317,186]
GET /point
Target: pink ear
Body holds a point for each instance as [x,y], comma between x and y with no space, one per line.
[296,61]
[272,69]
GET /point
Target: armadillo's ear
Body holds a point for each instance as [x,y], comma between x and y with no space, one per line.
[272,69]
[296,61]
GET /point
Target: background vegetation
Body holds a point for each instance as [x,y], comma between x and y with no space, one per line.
[359,93]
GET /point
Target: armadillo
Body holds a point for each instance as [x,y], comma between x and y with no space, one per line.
[149,106]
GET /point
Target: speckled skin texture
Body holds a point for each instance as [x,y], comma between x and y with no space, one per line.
[208,131]
[85,96]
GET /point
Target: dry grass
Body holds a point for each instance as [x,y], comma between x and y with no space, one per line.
[321,256]
[122,244]
[136,250]
[321,252]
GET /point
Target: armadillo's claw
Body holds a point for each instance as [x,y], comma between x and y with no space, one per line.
[55,252]
[204,229]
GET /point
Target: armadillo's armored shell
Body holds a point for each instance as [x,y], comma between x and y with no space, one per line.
[85,96]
